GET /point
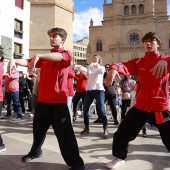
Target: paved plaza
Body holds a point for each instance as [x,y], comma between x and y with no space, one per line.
[144,153]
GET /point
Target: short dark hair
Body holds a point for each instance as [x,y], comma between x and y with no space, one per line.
[58,31]
[107,65]
[152,36]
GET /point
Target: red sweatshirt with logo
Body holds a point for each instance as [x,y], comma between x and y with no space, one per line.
[52,87]
[151,93]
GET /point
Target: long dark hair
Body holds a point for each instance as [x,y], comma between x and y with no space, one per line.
[124,79]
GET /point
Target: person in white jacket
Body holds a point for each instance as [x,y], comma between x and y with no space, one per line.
[95,90]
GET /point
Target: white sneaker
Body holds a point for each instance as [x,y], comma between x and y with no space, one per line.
[114,163]
[31,115]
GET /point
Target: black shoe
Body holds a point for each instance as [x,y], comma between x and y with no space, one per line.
[74,117]
[29,157]
[116,123]
[98,121]
[18,119]
[78,168]
[144,134]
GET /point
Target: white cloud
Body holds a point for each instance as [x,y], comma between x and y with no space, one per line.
[83,2]
[82,22]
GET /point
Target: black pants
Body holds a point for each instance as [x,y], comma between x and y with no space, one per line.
[125,105]
[131,126]
[76,98]
[112,103]
[58,116]
[22,101]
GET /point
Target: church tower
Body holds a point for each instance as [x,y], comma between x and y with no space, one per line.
[124,24]
[46,14]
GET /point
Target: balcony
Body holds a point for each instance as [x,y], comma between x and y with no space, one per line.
[18,33]
[18,55]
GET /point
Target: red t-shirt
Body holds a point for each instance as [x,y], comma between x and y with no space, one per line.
[70,81]
[81,80]
[52,87]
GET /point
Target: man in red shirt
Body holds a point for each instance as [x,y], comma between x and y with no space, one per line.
[152,91]
[51,108]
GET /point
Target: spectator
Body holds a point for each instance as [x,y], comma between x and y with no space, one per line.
[12,94]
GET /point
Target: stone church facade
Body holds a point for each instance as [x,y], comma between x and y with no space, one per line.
[46,14]
[124,24]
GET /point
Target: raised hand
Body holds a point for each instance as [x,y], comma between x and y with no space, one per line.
[31,67]
[11,66]
[160,69]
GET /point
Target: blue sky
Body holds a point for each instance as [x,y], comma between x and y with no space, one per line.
[84,10]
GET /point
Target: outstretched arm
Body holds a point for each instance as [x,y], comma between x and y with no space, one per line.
[55,56]
[110,77]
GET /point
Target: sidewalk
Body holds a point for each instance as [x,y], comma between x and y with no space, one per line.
[144,153]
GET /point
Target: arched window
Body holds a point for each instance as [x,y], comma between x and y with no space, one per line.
[141,9]
[126,10]
[99,45]
[169,46]
[133,9]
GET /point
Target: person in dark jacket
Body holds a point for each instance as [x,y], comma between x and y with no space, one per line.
[23,90]
[30,82]
[110,97]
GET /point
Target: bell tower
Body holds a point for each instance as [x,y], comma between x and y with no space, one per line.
[124,24]
[161,9]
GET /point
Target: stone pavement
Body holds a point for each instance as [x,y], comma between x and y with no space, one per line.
[144,153]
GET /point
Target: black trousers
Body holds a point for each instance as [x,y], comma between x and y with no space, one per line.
[76,99]
[125,105]
[131,126]
[112,103]
[22,101]
[58,116]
